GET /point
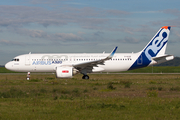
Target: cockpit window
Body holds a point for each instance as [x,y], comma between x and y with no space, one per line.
[16,59]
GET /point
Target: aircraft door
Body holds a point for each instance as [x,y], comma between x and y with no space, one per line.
[72,59]
[27,60]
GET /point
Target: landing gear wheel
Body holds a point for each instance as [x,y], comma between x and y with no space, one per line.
[85,77]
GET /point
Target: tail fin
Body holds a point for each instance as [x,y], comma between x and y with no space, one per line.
[157,45]
[155,48]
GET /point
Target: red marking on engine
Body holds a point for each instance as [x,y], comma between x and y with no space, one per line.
[65,71]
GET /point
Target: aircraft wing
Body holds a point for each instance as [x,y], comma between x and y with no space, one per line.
[88,66]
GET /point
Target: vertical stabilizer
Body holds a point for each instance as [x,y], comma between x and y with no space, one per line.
[155,48]
[158,43]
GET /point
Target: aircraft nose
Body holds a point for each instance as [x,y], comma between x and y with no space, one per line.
[8,66]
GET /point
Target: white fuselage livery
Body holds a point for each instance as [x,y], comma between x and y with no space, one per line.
[67,65]
[49,62]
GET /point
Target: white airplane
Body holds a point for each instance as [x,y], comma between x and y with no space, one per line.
[67,65]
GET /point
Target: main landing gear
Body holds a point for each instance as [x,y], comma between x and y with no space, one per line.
[85,77]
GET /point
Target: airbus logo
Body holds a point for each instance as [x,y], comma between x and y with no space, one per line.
[46,62]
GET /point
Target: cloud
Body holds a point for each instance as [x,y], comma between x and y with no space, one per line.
[172,11]
[174,19]
[31,33]
[48,36]
[45,1]
[75,3]
[117,12]
[20,15]
[23,15]
[128,39]
[98,33]
[147,12]
[133,30]
[20,43]
[7,42]
[67,37]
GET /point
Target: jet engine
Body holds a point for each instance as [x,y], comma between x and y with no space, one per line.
[65,72]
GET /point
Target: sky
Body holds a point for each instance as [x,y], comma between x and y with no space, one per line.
[84,26]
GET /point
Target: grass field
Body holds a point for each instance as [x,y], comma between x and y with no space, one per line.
[104,96]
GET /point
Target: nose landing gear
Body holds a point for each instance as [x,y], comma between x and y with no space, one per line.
[28,76]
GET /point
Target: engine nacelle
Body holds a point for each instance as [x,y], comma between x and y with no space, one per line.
[65,72]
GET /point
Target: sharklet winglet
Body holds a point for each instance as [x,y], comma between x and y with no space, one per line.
[112,53]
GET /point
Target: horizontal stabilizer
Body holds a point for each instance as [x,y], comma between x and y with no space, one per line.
[162,59]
